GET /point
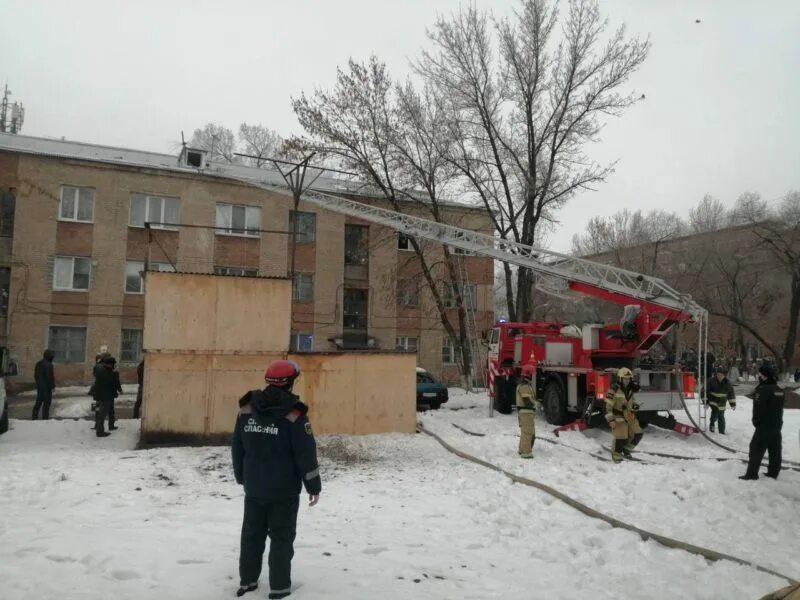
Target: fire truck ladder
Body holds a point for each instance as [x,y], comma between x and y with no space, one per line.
[472,330]
[549,266]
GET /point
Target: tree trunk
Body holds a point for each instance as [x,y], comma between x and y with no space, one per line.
[512,312]
[794,315]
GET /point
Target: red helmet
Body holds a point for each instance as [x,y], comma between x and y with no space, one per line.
[528,371]
[281,373]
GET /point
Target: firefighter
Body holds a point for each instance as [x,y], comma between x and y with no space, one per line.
[621,409]
[273,453]
[526,407]
[720,392]
[768,401]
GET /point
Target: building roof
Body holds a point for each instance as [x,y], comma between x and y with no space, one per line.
[68,149]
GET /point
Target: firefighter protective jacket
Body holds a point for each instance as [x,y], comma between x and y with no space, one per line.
[621,403]
[273,449]
[719,393]
[526,396]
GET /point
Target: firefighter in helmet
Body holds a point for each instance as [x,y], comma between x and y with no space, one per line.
[720,392]
[526,406]
[621,409]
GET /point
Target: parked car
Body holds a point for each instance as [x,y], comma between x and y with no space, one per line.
[430,392]
[3,407]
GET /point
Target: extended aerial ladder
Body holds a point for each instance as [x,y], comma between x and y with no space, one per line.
[558,273]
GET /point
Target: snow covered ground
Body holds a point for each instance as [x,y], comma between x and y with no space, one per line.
[69,402]
[85,518]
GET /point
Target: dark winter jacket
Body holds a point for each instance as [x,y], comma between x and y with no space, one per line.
[768,401]
[106,383]
[273,448]
[140,373]
[720,392]
[43,373]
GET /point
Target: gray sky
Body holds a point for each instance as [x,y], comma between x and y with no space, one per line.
[720,115]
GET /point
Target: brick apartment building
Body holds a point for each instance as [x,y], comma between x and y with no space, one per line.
[73,247]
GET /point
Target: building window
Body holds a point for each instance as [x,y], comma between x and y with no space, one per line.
[469,295]
[161,213]
[407,292]
[131,349]
[7,205]
[303,287]
[233,219]
[306,225]
[133,277]
[72,273]
[302,342]
[448,352]
[5,284]
[68,344]
[406,343]
[355,245]
[238,271]
[77,204]
[355,307]
[161,267]
[404,242]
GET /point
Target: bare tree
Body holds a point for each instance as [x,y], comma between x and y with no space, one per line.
[524,102]
[219,141]
[709,215]
[391,137]
[259,142]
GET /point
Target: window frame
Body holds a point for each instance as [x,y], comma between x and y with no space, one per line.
[447,343]
[296,286]
[138,358]
[295,342]
[218,270]
[405,345]
[362,252]
[402,236]
[72,288]
[141,278]
[52,346]
[303,237]
[360,316]
[153,224]
[247,231]
[449,295]
[76,204]
[405,293]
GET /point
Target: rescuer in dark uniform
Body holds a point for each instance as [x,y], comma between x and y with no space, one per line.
[274,453]
[768,401]
[720,392]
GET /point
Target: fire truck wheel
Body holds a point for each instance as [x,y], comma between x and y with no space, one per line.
[502,399]
[555,403]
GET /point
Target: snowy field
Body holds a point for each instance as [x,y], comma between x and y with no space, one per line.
[399,517]
[72,402]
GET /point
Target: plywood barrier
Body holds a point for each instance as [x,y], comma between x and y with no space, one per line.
[207,341]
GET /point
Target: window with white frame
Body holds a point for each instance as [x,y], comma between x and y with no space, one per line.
[469,295]
[448,352]
[77,204]
[406,343]
[67,343]
[303,287]
[407,292]
[234,219]
[306,225]
[238,271]
[160,212]
[302,342]
[71,273]
[131,347]
[134,283]
[404,242]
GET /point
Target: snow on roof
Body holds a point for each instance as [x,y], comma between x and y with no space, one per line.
[68,149]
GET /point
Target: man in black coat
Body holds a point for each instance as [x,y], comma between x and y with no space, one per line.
[45,384]
[106,388]
[768,401]
[137,407]
[274,453]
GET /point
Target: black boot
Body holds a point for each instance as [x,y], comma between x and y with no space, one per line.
[748,477]
[243,589]
[102,434]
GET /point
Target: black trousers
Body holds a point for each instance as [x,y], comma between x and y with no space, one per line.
[718,415]
[765,440]
[137,408]
[104,408]
[43,400]
[278,519]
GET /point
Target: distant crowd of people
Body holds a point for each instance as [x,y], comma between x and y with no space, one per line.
[106,388]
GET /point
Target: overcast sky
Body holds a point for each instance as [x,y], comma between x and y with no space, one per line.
[721,113]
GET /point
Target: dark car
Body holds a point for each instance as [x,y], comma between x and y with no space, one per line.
[430,392]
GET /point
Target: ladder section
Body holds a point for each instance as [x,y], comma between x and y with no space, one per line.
[472,329]
[544,262]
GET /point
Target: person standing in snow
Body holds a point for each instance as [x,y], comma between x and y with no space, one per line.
[45,384]
[137,407]
[720,392]
[106,388]
[274,454]
[768,401]
[526,407]
[621,409]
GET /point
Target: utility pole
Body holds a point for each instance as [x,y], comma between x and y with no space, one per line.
[14,125]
